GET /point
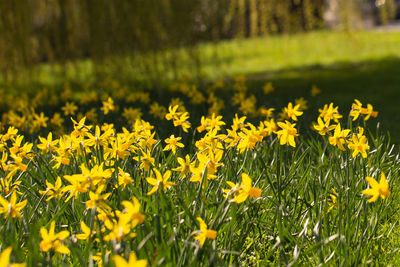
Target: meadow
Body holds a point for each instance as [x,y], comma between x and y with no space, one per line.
[241,171]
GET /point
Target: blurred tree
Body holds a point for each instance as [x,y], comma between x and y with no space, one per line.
[150,36]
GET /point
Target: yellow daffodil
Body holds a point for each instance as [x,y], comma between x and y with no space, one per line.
[293,111]
[244,190]
[185,167]
[108,106]
[146,160]
[96,200]
[124,178]
[333,203]
[287,134]
[53,191]
[47,144]
[377,189]
[157,110]
[172,113]
[159,181]
[268,88]
[323,127]
[12,208]
[369,112]
[339,137]
[315,90]
[183,122]
[173,143]
[358,144]
[5,259]
[132,261]
[355,109]
[86,232]
[50,239]
[69,109]
[132,212]
[302,102]
[204,233]
[329,113]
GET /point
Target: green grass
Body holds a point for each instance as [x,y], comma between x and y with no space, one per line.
[282,52]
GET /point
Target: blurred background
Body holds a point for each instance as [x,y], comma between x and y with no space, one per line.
[348,48]
[152,40]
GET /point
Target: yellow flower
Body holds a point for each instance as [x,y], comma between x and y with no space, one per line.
[98,139]
[69,108]
[302,102]
[355,109]
[124,178]
[132,114]
[5,259]
[267,112]
[186,167]
[270,126]
[287,134]
[11,133]
[333,201]
[132,212]
[209,124]
[182,121]
[315,90]
[369,111]
[172,113]
[377,189]
[248,105]
[53,191]
[40,120]
[293,112]
[12,208]
[133,261]
[56,120]
[249,138]
[323,127]
[47,145]
[268,88]
[330,113]
[359,145]
[97,200]
[146,160]
[172,143]
[161,180]
[54,240]
[238,123]
[80,129]
[157,110]
[87,233]
[244,190]
[339,137]
[119,230]
[204,233]
[108,106]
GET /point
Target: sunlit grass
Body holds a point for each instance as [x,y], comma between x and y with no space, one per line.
[254,186]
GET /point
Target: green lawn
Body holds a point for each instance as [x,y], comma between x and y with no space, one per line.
[282,52]
[362,65]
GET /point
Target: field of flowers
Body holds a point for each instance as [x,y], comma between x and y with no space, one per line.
[103,175]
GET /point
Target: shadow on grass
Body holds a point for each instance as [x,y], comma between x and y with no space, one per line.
[376,82]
